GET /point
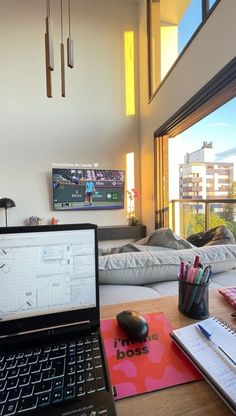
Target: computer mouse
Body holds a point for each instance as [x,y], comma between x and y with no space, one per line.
[133,324]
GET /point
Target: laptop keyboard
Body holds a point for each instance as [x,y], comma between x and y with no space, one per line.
[49,375]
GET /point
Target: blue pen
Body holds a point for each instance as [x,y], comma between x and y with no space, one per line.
[208,336]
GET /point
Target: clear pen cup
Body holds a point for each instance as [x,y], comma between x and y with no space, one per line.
[194,299]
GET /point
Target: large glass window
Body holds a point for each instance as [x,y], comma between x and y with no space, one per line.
[190,20]
[211,3]
[204,159]
[171,24]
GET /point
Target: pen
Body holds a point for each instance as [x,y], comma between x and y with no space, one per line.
[208,336]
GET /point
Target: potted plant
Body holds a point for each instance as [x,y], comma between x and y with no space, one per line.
[132,217]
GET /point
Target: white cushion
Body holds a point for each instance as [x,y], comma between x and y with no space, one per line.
[156,266]
[111,294]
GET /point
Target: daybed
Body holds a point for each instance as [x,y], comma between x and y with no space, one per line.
[141,271]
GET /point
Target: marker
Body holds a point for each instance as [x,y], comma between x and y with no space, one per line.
[197,281]
[181,273]
[196,262]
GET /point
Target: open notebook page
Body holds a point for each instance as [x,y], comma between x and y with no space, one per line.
[215,365]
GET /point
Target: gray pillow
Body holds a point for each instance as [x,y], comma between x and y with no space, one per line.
[157,266]
[164,237]
[212,237]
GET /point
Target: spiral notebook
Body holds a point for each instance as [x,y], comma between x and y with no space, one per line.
[211,346]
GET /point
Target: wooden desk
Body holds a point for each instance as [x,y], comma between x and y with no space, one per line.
[191,399]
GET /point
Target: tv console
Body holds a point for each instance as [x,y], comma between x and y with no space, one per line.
[121,232]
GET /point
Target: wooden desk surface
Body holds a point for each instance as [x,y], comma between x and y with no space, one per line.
[191,399]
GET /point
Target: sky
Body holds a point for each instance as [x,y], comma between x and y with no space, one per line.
[218,127]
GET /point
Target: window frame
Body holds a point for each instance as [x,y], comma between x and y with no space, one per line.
[218,91]
[206,12]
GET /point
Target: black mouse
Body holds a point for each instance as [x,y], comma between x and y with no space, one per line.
[133,324]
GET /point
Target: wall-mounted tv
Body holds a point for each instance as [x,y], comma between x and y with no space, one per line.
[87,189]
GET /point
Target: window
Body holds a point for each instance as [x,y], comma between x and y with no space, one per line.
[211,3]
[171,25]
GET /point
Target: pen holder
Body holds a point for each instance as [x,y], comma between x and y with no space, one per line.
[193,299]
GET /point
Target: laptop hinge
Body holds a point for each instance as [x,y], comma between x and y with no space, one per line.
[50,331]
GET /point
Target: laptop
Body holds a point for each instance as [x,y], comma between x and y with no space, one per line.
[52,359]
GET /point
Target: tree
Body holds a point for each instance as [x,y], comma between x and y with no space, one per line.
[195,223]
[229,208]
[232,191]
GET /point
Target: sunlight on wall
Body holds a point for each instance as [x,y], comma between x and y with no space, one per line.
[129,73]
[130,180]
[169,47]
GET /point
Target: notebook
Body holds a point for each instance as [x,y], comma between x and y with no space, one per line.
[140,367]
[211,346]
[52,360]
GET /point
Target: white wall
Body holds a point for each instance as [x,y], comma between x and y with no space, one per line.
[89,125]
[209,52]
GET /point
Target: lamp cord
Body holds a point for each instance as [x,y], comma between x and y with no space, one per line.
[61,23]
[69,17]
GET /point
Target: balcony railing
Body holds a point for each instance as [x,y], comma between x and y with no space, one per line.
[190,216]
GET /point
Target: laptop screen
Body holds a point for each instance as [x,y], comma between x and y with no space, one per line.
[47,270]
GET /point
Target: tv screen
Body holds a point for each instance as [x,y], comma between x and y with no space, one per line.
[87,189]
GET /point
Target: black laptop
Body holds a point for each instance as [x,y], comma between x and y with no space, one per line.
[51,353]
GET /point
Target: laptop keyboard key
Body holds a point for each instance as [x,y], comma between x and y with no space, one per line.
[88,365]
[58,383]
[80,378]
[10,357]
[10,364]
[100,384]
[13,373]
[3,396]
[24,370]
[57,354]
[57,396]
[3,375]
[14,394]
[43,357]
[44,399]
[97,362]
[28,403]
[79,367]
[24,380]
[69,393]
[22,362]
[90,386]
[43,387]
[70,380]
[12,383]
[27,391]
[89,375]
[10,408]
[80,389]
[71,369]
[33,359]
[47,365]
[2,385]
[36,378]
[35,368]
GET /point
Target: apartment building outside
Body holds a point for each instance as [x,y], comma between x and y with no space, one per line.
[201,177]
